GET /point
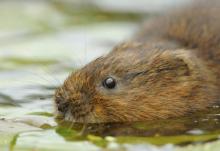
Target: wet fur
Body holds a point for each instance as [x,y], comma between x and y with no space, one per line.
[169,69]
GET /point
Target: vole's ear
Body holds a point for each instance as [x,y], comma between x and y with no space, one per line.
[180,62]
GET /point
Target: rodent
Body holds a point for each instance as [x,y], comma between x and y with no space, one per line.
[170,68]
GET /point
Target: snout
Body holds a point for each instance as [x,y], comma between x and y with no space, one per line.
[74,110]
[62,105]
[80,109]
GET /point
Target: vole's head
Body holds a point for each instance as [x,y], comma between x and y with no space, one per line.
[134,84]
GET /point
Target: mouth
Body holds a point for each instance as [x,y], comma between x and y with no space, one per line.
[76,112]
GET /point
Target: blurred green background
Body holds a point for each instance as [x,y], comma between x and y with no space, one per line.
[41,42]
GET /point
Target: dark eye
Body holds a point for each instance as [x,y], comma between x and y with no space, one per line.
[109,83]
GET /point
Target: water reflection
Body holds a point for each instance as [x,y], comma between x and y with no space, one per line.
[205,124]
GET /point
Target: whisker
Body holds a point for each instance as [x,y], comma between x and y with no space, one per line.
[85,45]
[61,121]
[51,75]
[71,125]
[83,131]
[39,77]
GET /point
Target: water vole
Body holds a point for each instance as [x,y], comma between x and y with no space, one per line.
[169,69]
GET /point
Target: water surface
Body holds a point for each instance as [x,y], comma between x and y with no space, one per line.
[41,42]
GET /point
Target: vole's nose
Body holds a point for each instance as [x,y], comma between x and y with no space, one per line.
[62,106]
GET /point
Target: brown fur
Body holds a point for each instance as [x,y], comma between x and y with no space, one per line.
[170,69]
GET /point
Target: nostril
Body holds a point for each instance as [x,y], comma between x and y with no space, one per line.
[62,107]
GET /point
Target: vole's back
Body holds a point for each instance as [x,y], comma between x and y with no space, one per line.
[198,27]
[195,26]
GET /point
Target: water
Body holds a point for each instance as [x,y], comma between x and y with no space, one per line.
[41,42]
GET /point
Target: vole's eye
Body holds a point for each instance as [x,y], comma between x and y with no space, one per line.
[109,83]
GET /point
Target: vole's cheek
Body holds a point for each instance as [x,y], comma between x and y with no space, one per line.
[98,109]
[100,113]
